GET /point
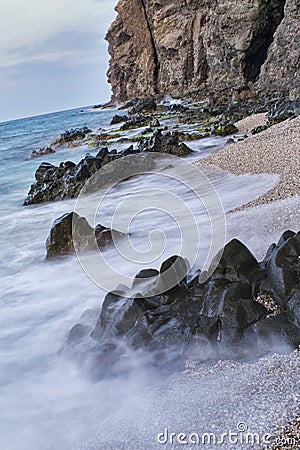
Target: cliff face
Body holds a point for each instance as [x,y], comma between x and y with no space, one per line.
[178,48]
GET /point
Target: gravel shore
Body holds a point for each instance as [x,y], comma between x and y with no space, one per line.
[273,151]
[253,401]
[248,123]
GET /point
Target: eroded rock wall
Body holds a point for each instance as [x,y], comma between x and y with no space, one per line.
[282,66]
[179,48]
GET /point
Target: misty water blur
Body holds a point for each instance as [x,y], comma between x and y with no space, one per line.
[47,400]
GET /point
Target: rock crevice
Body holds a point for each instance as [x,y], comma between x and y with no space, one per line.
[154,50]
[193,46]
[256,54]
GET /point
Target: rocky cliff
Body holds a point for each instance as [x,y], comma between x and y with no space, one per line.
[187,46]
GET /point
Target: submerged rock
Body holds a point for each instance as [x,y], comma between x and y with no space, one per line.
[71,232]
[223,311]
[41,152]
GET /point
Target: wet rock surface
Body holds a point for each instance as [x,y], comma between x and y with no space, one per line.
[41,152]
[71,135]
[142,105]
[164,143]
[67,180]
[136,121]
[284,109]
[118,119]
[189,316]
[71,232]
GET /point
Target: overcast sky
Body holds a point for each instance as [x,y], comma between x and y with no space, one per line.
[52,55]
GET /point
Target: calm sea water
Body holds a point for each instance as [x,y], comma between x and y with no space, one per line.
[46,400]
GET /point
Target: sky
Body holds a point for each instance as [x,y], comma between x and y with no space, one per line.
[53,55]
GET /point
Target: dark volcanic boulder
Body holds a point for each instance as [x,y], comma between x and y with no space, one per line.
[236,263]
[44,169]
[183,315]
[143,104]
[164,143]
[71,231]
[68,179]
[279,329]
[283,268]
[71,135]
[171,316]
[135,122]
[143,275]
[118,119]
[293,308]
[60,241]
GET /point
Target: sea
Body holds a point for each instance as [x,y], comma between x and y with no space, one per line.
[47,400]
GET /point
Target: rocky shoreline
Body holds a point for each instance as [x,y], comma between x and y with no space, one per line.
[170,316]
[261,286]
[237,313]
[165,129]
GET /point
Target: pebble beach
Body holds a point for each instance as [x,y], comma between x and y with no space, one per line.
[273,151]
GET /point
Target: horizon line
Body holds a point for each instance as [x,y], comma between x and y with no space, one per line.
[52,112]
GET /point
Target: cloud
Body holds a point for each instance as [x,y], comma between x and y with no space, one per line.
[52,54]
[29,29]
[69,47]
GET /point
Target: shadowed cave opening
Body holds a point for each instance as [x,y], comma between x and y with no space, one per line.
[269,20]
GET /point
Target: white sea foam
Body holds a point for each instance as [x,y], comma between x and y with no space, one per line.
[46,401]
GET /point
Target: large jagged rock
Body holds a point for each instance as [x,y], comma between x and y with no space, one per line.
[283,269]
[72,232]
[68,179]
[69,136]
[181,47]
[164,143]
[169,315]
[142,105]
[118,119]
[60,240]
